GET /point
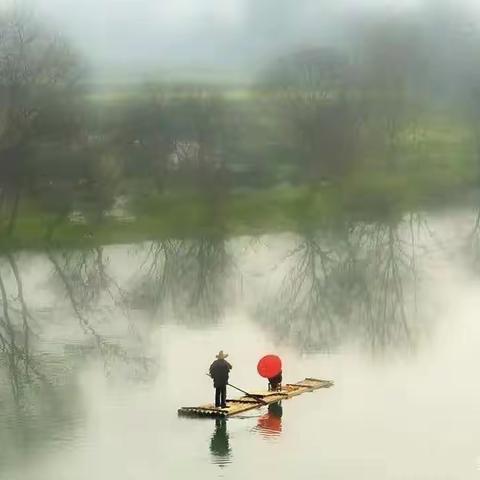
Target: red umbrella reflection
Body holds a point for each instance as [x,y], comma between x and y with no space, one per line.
[270,424]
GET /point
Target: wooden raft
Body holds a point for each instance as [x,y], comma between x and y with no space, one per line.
[247,402]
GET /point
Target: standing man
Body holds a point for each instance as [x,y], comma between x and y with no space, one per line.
[219,371]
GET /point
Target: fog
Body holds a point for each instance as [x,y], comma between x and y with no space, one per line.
[142,36]
[295,177]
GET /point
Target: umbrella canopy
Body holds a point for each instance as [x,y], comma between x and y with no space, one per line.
[269,366]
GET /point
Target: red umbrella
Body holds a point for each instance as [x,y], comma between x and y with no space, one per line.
[269,366]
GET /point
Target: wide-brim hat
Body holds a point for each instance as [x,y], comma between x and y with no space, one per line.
[222,355]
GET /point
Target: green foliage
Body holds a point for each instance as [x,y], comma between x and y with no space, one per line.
[325,134]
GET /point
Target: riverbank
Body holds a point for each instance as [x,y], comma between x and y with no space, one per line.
[373,197]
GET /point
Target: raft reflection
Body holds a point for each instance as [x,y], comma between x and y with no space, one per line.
[220,444]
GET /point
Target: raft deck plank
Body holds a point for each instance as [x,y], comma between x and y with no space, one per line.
[245,403]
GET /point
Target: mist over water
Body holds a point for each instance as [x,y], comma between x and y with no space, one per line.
[179,178]
[111,356]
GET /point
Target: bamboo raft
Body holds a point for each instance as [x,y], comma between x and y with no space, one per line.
[256,399]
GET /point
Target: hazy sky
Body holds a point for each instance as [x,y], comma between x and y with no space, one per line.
[143,34]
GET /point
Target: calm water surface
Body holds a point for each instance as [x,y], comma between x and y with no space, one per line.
[101,346]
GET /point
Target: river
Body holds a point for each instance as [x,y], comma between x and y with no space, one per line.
[101,346]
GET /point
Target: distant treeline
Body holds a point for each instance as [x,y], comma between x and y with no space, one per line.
[402,97]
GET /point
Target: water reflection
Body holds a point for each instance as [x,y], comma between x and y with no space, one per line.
[16,332]
[35,419]
[95,297]
[220,443]
[187,278]
[473,243]
[64,312]
[77,287]
[270,424]
[354,281]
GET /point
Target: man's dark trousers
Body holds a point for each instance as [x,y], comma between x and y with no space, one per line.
[220,396]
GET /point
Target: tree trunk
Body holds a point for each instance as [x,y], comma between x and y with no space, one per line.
[14,213]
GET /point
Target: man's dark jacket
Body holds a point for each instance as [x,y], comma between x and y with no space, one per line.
[219,371]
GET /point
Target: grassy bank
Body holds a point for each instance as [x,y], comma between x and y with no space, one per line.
[375,196]
[433,164]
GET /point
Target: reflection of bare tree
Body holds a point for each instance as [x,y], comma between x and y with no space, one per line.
[15,331]
[384,306]
[39,413]
[311,295]
[84,279]
[44,400]
[187,277]
[359,282]
[471,245]
[93,296]
[474,242]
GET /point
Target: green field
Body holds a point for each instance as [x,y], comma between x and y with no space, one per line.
[435,165]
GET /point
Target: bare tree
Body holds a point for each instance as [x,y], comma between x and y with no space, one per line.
[315,92]
[38,80]
[391,62]
[146,132]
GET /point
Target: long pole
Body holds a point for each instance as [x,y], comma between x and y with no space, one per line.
[257,397]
